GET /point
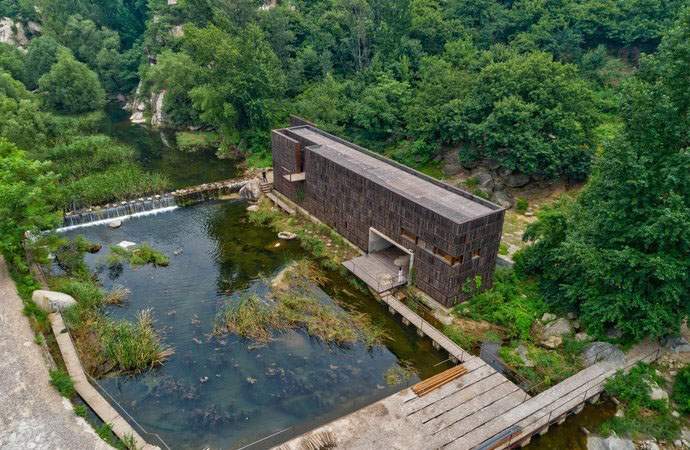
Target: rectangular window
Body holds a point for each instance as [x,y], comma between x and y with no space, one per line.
[445,257]
[407,235]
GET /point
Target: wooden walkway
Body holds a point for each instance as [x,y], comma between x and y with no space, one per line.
[479,410]
[377,269]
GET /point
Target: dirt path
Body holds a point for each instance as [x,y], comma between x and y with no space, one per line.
[32,413]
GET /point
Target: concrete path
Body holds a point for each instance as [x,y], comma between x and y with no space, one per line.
[32,413]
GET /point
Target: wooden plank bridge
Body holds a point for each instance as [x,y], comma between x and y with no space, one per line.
[479,409]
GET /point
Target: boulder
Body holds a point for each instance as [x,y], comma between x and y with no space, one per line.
[115,224]
[649,445]
[677,344]
[601,351]
[12,33]
[503,199]
[516,180]
[548,317]
[582,336]
[251,191]
[484,181]
[51,301]
[126,244]
[614,333]
[558,327]
[521,351]
[552,342]
[656,393]
[609,443]
[286,235]
[253,208]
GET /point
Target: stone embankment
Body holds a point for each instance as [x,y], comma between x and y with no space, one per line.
[33,413]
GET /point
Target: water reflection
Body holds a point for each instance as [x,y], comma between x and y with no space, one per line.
[224,391]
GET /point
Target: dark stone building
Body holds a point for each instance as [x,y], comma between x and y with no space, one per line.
[411,226]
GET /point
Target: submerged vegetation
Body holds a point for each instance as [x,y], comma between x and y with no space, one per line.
[295,304]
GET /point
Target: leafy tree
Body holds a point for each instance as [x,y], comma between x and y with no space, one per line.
[71,87]
[12,61]
[27,195]
[379,111]
[40,57]
[620,255]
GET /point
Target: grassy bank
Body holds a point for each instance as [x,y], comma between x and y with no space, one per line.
[324,244]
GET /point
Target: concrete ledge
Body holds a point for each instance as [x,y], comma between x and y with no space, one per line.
[121,428]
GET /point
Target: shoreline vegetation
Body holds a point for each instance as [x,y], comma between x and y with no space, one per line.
[106,345]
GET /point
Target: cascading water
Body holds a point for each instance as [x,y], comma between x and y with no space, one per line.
[119,211]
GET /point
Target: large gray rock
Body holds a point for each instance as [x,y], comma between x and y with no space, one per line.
[558,327]
[655,392]
[677,344]
[484,181]
[601,351]
[516,180]
[503,199]
[51,301]
[157,114]
[548,317]
[609,443]
[251,191]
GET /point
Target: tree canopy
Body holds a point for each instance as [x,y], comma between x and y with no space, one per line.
[71,87]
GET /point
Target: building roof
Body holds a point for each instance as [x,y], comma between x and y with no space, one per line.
[445,201]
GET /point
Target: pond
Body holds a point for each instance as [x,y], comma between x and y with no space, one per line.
[223,391]
[157,152]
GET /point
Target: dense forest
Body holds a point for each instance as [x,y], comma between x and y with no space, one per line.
[567,89]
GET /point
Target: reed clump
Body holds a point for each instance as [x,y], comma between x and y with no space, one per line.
[135,347]
[140,255]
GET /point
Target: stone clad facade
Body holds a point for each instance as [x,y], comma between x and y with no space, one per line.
[450,250]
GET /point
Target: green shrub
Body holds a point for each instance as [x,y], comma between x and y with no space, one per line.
[80,410]
[681,390]
[512,303]
[503,249]
[521,205]
[140,255]
[472,182]
[460,337]
[62,382]
[642,415]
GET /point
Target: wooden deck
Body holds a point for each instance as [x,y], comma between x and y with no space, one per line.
[377,270]
[480,409]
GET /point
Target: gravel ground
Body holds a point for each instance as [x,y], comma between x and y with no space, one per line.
[32,413]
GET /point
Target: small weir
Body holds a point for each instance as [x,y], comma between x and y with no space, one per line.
[99,215]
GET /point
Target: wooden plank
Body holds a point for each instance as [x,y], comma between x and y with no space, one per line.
[488,399]
[459,397]
[424,387]
[459,429]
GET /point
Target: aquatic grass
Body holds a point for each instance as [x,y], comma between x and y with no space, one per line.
[250,318]
[134,346]
[116,296]
[139,255]
[396,375]
[193,141]
[62,382]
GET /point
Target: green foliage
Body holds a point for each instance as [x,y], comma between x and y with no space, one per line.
[62,382]
[549,366]
[512,303]
[140,255]
[521,205]
[135,347]
[42,53]
[681,390]
[503,249]
[27,195]
[80,410]
[642,415]
[71,87]
[12,61]
[619,254]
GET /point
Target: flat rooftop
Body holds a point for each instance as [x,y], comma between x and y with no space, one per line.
[445,202]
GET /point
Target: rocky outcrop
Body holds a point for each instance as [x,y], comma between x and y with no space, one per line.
[251,191]
[601,351]
[677,344]
[558,327]
[609,443]
[51,301]
[157,114]
[12,33]
[516,180]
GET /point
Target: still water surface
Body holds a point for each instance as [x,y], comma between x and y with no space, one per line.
[227,392]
